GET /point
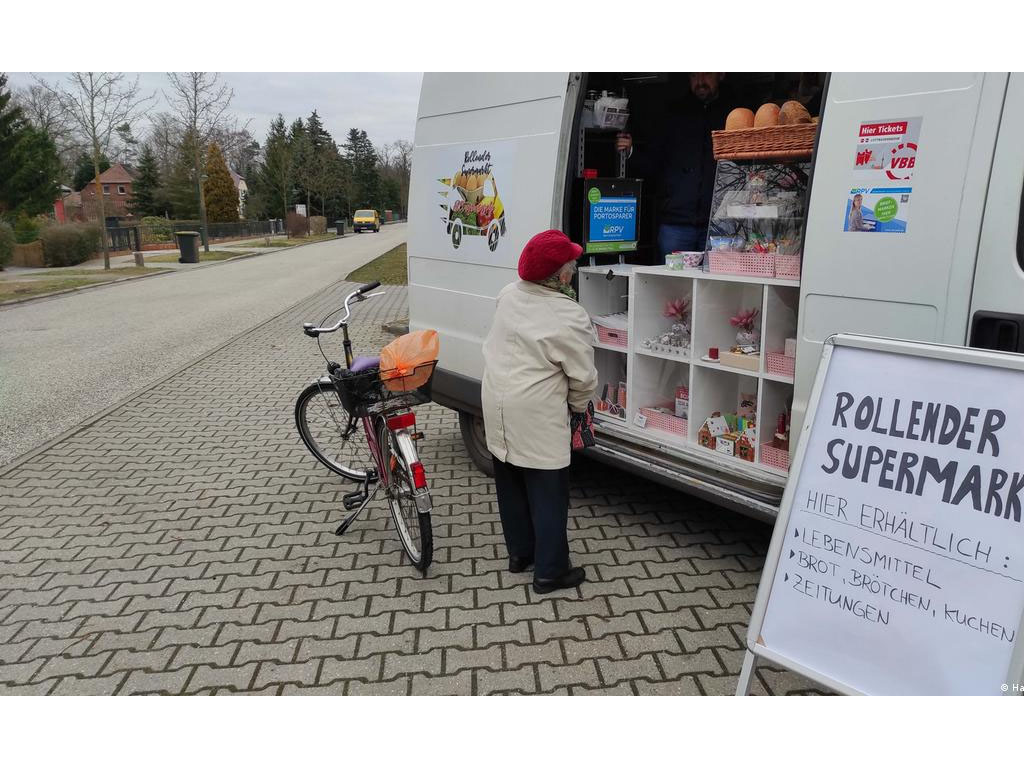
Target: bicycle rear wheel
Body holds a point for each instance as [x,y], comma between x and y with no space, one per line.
[413,526]
[330,433]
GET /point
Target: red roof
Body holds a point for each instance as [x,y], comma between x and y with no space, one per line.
[116,174]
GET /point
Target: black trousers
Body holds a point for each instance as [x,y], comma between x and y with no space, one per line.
[534,509]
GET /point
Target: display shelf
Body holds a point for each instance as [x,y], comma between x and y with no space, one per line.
[620,270]
[687,358]
[715,303]
[779,318]
[648,317]
[610,347]
[699,274]
[775,398]
[777,379]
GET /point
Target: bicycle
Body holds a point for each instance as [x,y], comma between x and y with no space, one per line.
[332,410]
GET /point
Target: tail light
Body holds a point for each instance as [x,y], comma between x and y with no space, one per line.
[419,475]
[402,420]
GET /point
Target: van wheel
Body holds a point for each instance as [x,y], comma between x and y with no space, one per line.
[492,237]
[457,234]
[473,438]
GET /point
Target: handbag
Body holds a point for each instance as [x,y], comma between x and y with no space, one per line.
[581,426]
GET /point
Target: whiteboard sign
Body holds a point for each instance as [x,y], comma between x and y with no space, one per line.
[897,563]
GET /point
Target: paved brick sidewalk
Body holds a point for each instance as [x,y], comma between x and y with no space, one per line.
[184,544]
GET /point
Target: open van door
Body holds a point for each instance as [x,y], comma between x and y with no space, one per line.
[908,274]
[997,301]
[488,173]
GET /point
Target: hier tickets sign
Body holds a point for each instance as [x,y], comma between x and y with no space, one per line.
[901,569]
[885,157]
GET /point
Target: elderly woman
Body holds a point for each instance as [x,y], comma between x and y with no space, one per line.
[538,364]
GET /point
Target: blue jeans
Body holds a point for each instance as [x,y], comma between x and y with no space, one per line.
[680,237]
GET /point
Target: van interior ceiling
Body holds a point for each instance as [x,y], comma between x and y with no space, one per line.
[650,97]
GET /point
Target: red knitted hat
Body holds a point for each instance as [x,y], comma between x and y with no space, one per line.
[545,254]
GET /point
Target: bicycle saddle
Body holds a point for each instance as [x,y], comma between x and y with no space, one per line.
[364,363]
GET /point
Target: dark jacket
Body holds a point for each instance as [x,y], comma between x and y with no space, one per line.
[677,162]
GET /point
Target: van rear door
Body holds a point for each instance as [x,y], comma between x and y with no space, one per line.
[488,168]
[912,284]
[997,301]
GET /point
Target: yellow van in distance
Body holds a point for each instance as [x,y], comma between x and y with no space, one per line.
[366,219]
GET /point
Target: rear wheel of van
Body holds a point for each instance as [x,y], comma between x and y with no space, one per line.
[456,234]
[472,427]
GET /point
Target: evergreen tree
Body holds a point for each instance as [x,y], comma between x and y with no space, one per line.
[85,172]
[29,166]
[220,189]
[362,158]
[146,193]
[275,178]
[181,185]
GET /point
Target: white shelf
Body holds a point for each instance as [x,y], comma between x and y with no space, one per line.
[776,377]
[685,359]
[610,347]
[601,416]
[621,270]
[698,274]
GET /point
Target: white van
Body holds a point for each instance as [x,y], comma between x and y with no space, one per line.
[952,273]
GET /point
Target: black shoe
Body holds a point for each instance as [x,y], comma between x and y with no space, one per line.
[519,564]
[571,578]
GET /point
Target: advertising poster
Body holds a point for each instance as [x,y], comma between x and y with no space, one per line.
[883,163]
[612,223]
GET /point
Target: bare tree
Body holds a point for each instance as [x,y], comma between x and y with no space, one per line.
[199,103]
[42,108]
[96,104]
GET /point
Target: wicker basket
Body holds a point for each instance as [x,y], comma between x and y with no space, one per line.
[735,263]
[774,142]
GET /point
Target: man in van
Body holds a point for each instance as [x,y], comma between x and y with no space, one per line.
[678,162]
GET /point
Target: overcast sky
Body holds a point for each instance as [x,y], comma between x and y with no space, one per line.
[382,104]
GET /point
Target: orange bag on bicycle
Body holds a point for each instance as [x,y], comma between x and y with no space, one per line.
[408,362]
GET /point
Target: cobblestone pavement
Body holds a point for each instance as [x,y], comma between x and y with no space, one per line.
[184,544]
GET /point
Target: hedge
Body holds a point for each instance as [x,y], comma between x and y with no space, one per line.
[67,244]
[6,243]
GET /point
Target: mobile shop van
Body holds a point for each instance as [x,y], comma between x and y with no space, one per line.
[908,225]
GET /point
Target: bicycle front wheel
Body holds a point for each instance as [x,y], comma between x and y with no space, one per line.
[413,526]
[330,433]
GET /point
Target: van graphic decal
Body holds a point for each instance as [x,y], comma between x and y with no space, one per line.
[472,205]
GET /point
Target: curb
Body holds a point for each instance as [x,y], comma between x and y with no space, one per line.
[11,303]
[31,454]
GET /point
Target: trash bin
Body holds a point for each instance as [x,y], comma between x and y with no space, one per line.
[340,224]
[188,244]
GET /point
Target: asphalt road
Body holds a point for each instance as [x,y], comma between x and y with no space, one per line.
[66,359]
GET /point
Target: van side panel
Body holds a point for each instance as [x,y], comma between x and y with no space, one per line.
[914,284]
[999,281]
[484,168]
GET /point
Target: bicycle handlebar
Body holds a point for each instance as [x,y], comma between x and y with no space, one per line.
[360,294]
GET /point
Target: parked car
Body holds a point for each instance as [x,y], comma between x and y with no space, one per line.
[366,219]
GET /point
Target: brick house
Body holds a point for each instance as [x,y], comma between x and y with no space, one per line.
[117,183]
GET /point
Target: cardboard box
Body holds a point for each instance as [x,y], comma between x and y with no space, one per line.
[743,362]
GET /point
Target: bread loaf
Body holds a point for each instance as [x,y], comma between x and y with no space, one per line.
[767,114]
[793,112]
[740,117]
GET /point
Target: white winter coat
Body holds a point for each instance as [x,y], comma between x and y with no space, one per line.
[538,363]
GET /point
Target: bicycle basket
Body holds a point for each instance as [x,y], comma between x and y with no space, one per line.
[410,385]
[358,390]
